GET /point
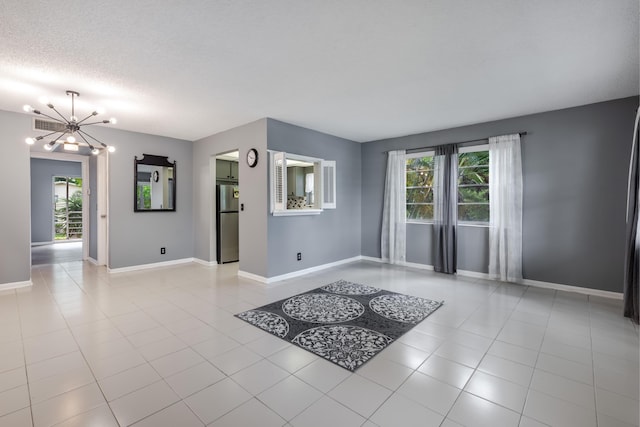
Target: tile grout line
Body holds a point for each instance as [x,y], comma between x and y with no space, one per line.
[593,364]
[84,356]
[462,390]
[24,358]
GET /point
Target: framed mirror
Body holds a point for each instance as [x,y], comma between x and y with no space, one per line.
[154,184]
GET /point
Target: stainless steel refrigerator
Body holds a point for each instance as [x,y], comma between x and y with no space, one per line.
[227,223]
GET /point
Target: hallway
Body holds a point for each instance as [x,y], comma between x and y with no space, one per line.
[56,253]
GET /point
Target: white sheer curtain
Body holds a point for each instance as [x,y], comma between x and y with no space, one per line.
[505,208]
[393,242]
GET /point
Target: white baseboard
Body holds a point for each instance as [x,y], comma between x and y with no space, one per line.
[92,261]
[42,243]
[252,276]
[15,285]
[152,265]
[205,263]
[569,288]
[473,274]
[525,282]
[372,259]
[401,264]
[298,273]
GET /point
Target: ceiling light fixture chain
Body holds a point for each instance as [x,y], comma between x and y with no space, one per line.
[72,127]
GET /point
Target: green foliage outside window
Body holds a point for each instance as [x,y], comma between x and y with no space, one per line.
[144,196]
[473,187]
[420,188]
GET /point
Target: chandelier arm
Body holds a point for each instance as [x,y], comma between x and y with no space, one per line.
[54,109]
[52,118]
[85,140]
[62,133]
[50,133]
[93,123]
[81,132]
[90,115]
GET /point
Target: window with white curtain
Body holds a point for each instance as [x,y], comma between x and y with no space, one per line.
[473,185]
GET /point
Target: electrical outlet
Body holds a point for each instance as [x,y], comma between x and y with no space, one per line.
[163,251]
[299,256]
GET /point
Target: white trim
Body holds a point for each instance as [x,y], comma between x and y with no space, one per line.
[86,185]
[525,282]
[205,263]
[152,265]
[473,148]
[430,152]
[372,259]
[474,274]
[15,285]
[42,243]
[569,288]
[298,273]
[252,276]
[294,212]
[418,266]
[547,285]
[403,264]
[92,261]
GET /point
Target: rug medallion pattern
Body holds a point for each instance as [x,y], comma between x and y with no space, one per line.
[344,322]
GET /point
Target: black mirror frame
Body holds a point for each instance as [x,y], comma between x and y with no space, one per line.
[153,160]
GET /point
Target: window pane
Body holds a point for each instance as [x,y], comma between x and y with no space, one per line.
[473,194]
[473,175]
[476,158]
[420,163]
[420,179]
[473,212]
[420,195]
[420,211]
[419,188]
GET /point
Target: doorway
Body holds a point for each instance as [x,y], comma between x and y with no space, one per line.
[67,208]
[59,208]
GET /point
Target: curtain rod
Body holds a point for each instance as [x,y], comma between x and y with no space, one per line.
[449,143]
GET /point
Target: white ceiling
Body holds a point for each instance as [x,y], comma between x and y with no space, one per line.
[359,69]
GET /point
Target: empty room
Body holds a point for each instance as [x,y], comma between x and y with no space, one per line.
[285,213]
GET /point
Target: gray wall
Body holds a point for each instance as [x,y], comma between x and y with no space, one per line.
[335,233]
[15,243]
[93,207]
[575,178]
[253,186]
[135,238]
[42,173]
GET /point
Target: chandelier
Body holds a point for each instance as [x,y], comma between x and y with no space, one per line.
[70,128]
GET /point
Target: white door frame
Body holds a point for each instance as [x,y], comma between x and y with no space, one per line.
[84,161]
[102,214]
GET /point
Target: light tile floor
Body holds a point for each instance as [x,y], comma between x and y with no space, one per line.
[161,347]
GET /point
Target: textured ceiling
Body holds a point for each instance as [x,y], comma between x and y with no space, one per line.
[359,69]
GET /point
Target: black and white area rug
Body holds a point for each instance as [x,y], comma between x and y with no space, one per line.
[344,322]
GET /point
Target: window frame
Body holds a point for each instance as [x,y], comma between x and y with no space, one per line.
[474,149]
[324,198]
[428,153]
[461,150]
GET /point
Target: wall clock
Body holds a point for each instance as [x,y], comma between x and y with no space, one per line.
[156,176]
[252,158]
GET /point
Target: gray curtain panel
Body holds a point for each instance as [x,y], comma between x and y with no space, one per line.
[445,209]
[631,294]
